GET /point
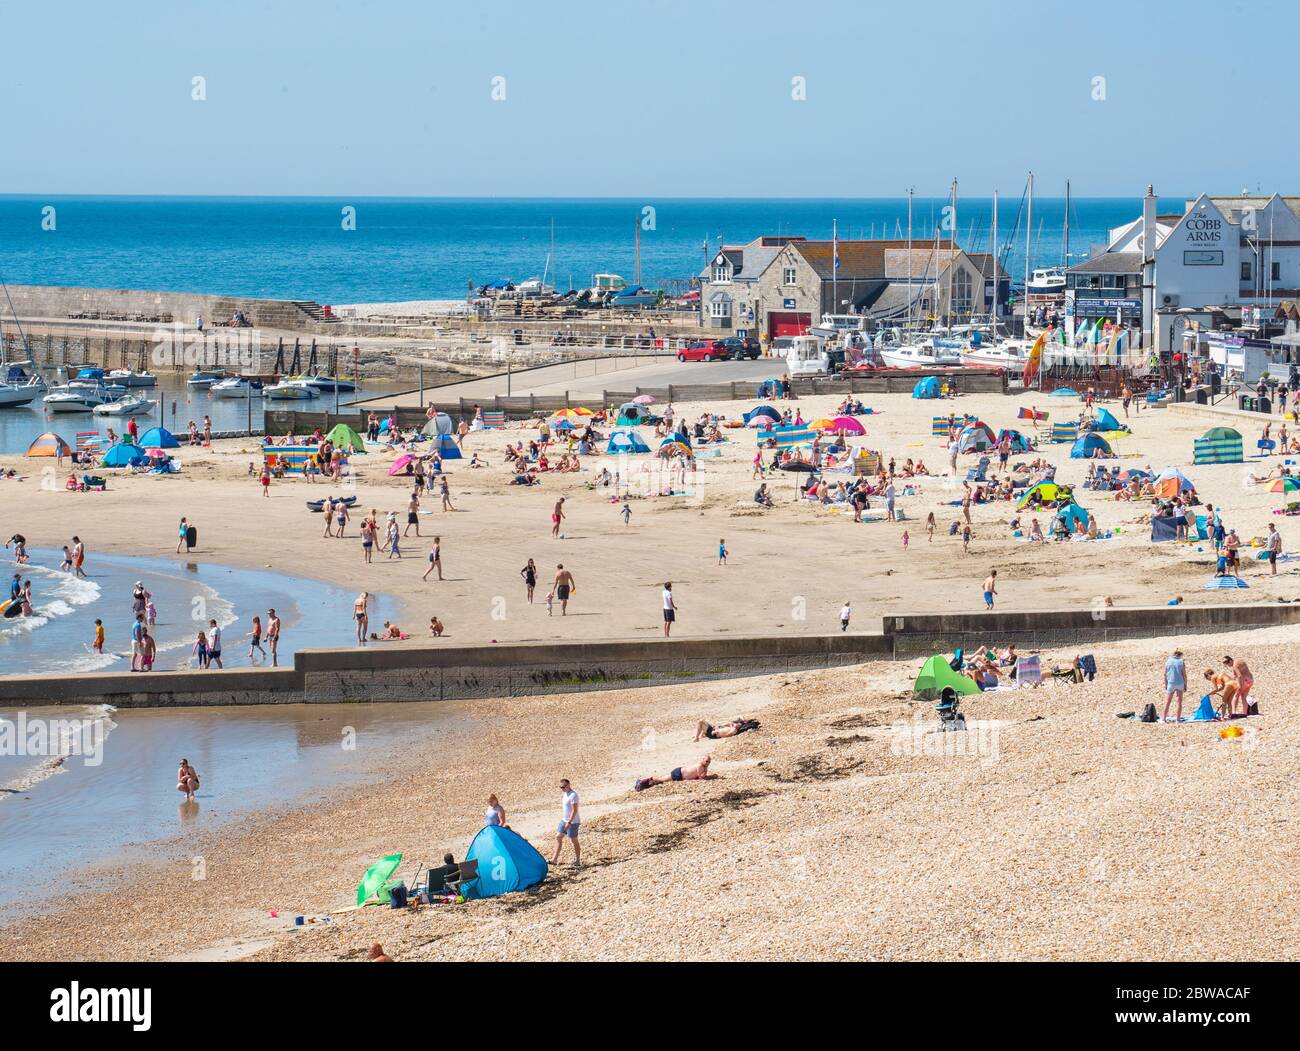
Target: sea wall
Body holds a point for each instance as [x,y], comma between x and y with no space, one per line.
[428,673]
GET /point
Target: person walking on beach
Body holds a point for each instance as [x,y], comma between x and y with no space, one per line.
[557,516]
[394,538]
[570,820]
[78,557]
[368,538]
[273,636]
[670,609]
[341,517]
[361,614]
[529,573]
[327,509]
[1175,684]
[413,512]
[214,644]
[562,587]
[137,642]
[990,588]
[265,480]
[846,611]
[435,560]
[626,512]
[722,552]
[444,491]
[255,637]
[890,493]
[1274,547]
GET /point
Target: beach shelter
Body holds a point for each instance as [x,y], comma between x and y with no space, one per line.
[48,444]
[158,438]
[630,413]
[344,437]
[1165,527]
[936,673]
[1019,443]
[939,424]
[493,420]
[978,437]
[506,863]
[1065,432]
[1218,445]
[1090,445]
[292,457]
[1106,421]
[1228,583]
[445,446]
[765,411]
[787,437]
[926,388]
[399,465]
[122,455]
[846,425]
[1071,514]
[1171,481]
[626,442]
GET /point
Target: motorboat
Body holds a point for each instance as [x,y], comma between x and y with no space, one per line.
[328,384]
[129,405]
[236,387]
[131,378]
[833,325]
[78,398]
[14,395]
[1010,355]
[289,390]
[929,353]
[206,377]
[1048,281]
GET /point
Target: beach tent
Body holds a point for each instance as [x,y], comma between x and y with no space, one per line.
[438,424]
[978,437]
[1065,432]
[1224,582]
[344,437]
[1072,513]
[122,455]
[445,446]
[926,388]
[1090,445]
[506,863]
[1019,443]
[763,410]
[1107,422]
[936,673]
[630,413]
[1218,445]
[158,438]
[48,444]
[1048,492]
[1171,481]
[787,437]
[626,442]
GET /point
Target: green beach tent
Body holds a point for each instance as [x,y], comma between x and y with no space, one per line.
[936,673]
[344,437]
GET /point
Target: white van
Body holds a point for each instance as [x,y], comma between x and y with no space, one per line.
[807,357]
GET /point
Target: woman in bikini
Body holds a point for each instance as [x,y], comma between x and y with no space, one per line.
[187,780]
[361,614]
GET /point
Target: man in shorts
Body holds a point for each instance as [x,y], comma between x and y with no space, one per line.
[557,516]
[670,609]
[413,512]
[214,644]
[1274,547]
[990,588]
[273,636]
[570,820]
[563,586]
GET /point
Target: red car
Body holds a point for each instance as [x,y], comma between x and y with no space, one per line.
[704,350]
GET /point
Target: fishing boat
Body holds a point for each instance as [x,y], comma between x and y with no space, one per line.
[329,384]
[206,377]
[75,398]
[289,390]
[128,405]
[131,378]
[635,296]
[1047,281]
[236,387]
[833,325]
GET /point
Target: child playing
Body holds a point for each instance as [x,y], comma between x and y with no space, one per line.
[906,538]
[98,644]
[550,603]
[626,512]
[256,636]
[722,552]
[435,626]
[845,613]
[150,612]
[200,649]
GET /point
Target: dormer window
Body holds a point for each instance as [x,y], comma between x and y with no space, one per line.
[721,271]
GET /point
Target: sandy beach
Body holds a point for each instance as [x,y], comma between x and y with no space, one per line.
[1069,834]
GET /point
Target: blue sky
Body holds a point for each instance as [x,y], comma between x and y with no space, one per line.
[667,98]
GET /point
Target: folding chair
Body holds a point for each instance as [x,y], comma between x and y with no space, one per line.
[468,873]
[1029,671]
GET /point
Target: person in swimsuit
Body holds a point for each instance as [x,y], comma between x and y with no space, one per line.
[413,511]
[327,509]
[367,538]
[256,636]
[563,587]
[731,729]
[557,516]
[140,599]
[66,564]
[181,531]
[20,547]
[200,650]
[1240,670]
[137,643]
[361,614]
[187,780]
[529,573]
[273,636]
[698,772]
[341,517]
[148,650]
[78,556]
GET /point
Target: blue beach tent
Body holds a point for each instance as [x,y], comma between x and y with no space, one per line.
[763,410]
[926,388]
[1073,514]
[626,442]
[1107,422]
[506,863]
[1089,445]
[122,455]
[445,446]
[158,438]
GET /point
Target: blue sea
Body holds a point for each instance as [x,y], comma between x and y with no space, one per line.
[434,248]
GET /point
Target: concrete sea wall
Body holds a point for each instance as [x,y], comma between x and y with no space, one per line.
[430,673]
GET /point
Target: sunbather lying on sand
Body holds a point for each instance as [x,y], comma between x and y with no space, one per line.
[731,729]
[698,772]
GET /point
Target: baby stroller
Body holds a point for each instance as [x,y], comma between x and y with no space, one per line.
[950,718]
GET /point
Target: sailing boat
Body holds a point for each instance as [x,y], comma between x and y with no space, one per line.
[1050,280]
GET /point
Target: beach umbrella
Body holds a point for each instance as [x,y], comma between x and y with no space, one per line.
[571,414]
[847,425]
[376,876]
[1284,485]
[644,399]
[156,454]
[399,465]
[762,422]
[822,424]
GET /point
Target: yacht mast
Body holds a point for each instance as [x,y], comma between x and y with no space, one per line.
[909,258]
[993,264]
[1029,229]
[1065,259]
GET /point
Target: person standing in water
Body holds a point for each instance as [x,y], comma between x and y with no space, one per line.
[187,780]
[214,644]
[273,636]
[361,614]
[78,557]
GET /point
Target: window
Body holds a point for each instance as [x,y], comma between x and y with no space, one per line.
[721,274]
[1276,273]
[720,307]
[1245,271]
[789,276]
[961,292]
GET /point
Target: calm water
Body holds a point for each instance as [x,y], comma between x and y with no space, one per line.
[405,248]
[180,405]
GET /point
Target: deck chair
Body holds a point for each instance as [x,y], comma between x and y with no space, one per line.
[468,874]
[977,474]
[1029,671]
[1067,675]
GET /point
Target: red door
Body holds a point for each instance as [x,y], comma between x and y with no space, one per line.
[787,324]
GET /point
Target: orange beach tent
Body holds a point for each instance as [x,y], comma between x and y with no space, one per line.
[49,444]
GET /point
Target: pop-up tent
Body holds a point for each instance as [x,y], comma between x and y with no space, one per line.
[936,673]
[1072,514]
[976,438]
[926,388]
[763,410]
[445,446]
[158,438]
[48,444]
[122,455]
[1043,493]
[1019,443]
[630,414]
[506,862]
[344,437]
[626,442]
[439,423]
[1107,422]
[1090,445]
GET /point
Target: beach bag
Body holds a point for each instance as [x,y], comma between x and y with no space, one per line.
[1148,714]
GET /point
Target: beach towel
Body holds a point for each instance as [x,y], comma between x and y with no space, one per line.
[1205,712]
